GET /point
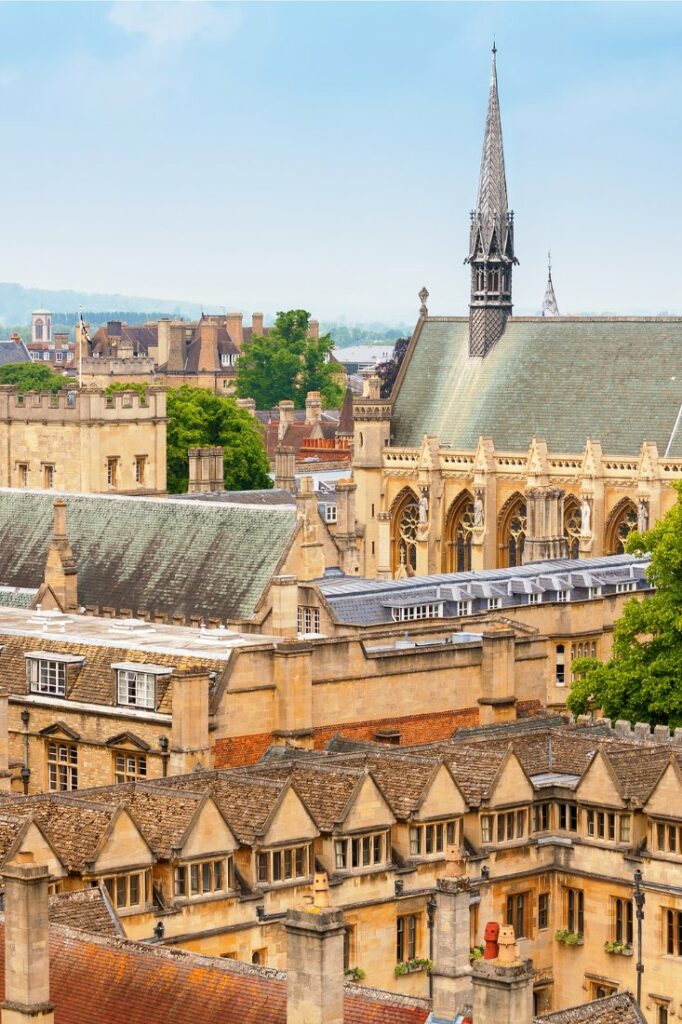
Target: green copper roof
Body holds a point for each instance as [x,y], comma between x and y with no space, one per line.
[180,557]
[564,379]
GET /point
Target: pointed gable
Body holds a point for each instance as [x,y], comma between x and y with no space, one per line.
[367,808]
[665,799]
[599,784]
[122,846]
[511,784]
[442,797]
[31,839]
[289,820]
[208,832]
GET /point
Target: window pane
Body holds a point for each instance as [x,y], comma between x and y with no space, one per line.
[134,890]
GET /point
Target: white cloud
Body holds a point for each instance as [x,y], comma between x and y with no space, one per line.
[168,23]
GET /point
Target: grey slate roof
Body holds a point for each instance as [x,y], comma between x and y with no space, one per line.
[17,597]
[273,496]
[185,558]
[13,352]
[565,379]
[363,602]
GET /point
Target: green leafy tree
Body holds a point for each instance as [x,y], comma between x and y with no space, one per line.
[388,371]
[642,681]
[32,377]
[196,418]
[287,364]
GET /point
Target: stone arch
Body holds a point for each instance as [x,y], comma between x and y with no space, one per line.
[404,513]
[572,525]
[459,524]
[511,530]
[621,520]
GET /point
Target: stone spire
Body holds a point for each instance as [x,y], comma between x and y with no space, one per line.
[491,237]
[549,303]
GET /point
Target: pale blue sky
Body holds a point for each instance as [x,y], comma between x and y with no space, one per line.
[272,155]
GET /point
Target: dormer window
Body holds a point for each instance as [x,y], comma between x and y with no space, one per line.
[46,672]
[411,612]
[330,513]
[136,684]
[362,851]
[626,588]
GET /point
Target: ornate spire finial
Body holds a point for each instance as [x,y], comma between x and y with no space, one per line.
[423,296]
[494,48]
[550,306]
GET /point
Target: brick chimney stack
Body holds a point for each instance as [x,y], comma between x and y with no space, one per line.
[27,944]
[313,408]
[503,988]
[315,966]
[189,745]
[285,466]
[16,339]
[256,323]
[452,987]
[206,469]
[286,417]
[233,323]
[314,329]
[60,569]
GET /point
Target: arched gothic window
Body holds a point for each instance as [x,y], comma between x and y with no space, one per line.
[39,330]
[621,522]
[572,526]
[512,531]
[405,525]
[458,529]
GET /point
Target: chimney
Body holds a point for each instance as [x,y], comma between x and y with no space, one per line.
[285,464]
[208,346]
[16,339]
[315,966]
[27,944]
[312,562]
[452,987]
[314,329]
[498,663]
[233,323]
[5,773]
[60,569]
[373,387]
[256,323]
[503,988]
[189,746]
[206,470]
[247,403]
[286,417]
[313,408]
[284,606]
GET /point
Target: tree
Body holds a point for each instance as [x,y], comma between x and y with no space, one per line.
[642,681]
[33,377]
[287,364]
[388,371]
[197,418]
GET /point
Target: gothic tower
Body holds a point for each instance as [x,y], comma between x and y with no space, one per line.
[491,239]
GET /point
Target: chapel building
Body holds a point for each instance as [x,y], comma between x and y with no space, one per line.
[509,439]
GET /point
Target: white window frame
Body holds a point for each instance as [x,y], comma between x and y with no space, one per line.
[464,607]
[46,672]
[493,604]
[410,613]
[130,674]
[535,598]
[626,588]
[562,596]
[330,513]
[308,620]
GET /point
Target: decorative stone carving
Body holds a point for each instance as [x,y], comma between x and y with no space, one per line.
[423,296]
[642,517]
[479,513]
[423,509]
[585,518]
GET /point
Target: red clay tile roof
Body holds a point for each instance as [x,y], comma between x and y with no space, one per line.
[129,983]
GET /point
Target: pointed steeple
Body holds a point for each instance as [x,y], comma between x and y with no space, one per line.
[492,205]
[491,237]
[549,303]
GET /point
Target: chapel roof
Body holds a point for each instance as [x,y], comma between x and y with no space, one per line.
[616,380]
[193,559]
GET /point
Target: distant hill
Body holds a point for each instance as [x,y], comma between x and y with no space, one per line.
[17,303]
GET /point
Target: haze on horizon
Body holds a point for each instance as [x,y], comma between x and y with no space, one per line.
[266,156]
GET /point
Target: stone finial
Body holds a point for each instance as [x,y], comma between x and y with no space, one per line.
[423,297]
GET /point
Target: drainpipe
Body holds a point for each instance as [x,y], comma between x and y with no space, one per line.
[163,745]
[25,770]
[639,903]
[431,905]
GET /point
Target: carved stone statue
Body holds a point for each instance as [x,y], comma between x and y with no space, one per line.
[642,517]
[478,512]
[585,518]
[423,509]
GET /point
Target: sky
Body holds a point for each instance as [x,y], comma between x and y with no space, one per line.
[326,155]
